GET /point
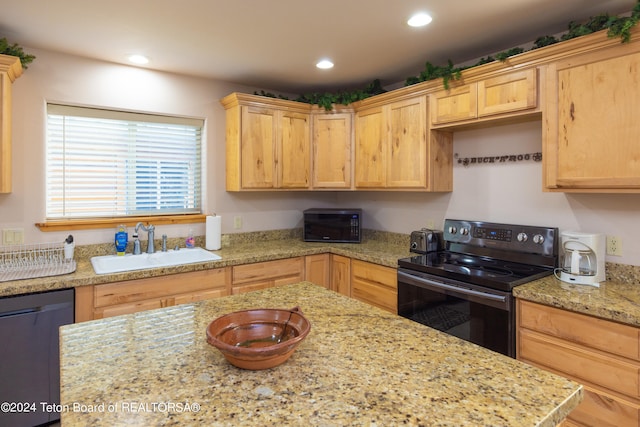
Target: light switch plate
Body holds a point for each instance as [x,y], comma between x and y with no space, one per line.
[12,236]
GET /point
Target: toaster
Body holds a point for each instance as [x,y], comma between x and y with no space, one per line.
[424,241]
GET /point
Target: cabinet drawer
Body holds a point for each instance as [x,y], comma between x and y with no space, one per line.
[380,296]
[158,287]
[384,276]
[598,410]
[118,310]
[268,270]
[614,338]
[199,296]
[375,284]
[579,363]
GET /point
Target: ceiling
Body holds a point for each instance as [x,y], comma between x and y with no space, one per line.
[275,44]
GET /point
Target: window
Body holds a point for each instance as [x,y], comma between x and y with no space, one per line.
[104,163]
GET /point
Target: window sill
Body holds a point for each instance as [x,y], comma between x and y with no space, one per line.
[87,224]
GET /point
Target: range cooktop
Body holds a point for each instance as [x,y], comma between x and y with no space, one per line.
[483,271]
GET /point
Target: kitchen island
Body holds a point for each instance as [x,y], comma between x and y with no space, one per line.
[358,366]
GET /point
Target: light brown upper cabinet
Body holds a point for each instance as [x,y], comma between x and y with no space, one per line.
[268,143]
[591,126]
[332,147]
[10,70]
[584,90]
[506,94]
[393,148]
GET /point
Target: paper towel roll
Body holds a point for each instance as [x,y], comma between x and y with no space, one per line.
[213,233]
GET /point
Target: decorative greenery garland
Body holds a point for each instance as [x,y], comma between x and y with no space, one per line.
[616,26]
[15,50]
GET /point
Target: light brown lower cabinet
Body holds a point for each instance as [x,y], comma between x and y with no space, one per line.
[365,281]
[602,355]
[262,275]
[131,296]
[375,284]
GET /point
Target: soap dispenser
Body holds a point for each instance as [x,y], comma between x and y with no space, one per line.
[121,240]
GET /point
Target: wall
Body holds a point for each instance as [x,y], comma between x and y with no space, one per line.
[61,78]
[508,192]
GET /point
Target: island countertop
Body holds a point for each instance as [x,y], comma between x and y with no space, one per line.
[358,366]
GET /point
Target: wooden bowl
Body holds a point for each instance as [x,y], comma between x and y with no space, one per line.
[260,338]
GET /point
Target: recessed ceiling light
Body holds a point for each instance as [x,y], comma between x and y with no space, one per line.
[139,59]
[324,64]
[419,20]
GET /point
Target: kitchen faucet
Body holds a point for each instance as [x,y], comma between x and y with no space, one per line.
[150,231]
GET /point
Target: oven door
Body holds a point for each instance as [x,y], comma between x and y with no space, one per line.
[474,313]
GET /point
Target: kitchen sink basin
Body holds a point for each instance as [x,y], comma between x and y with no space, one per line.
[115,264]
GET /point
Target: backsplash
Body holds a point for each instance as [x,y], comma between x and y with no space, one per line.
[623,273]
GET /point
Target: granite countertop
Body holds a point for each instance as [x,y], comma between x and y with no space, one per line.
[359,366]
[378,251]
[613,300]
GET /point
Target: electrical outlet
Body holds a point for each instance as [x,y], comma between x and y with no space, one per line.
[614,246]
[237,222]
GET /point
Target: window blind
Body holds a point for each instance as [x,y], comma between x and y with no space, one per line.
[105,163]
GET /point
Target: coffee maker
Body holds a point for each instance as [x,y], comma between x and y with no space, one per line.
[582,258]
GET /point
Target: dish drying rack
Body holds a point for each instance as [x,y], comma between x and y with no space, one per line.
[34,260]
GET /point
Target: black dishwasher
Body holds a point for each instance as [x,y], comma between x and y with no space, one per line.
[29,356]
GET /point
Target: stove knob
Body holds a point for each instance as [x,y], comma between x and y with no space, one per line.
[522,237]
[538,238]
[453,230]
[464,231]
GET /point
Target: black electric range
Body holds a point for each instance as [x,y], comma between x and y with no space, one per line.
[465,289]
[497,256]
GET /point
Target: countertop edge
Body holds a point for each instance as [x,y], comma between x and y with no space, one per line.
[612,300]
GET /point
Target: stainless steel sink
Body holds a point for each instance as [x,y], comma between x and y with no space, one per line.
[115,264]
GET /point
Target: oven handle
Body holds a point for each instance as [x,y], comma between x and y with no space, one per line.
[422,280]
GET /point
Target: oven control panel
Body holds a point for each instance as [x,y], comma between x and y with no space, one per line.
[509,237]
[503,234]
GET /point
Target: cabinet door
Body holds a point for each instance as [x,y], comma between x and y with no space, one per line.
[370,166]
[317,269]
[508,93]
[294,150]
[10,69]
[591,130]
[407,144]
[332,150]
[257,152]
[341,274]
[456,104]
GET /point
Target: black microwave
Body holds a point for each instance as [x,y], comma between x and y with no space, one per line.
[332,225]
